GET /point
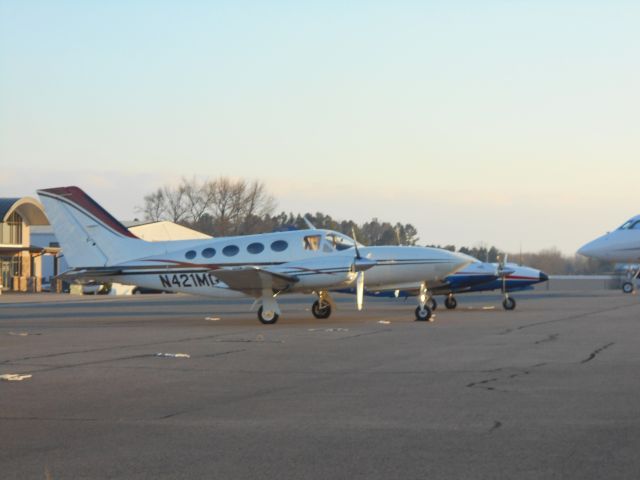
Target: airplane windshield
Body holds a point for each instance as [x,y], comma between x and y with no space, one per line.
[339,241]
[633,224]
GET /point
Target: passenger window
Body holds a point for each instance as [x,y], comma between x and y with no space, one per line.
[230,250]
[208,252]
[191,254]
[312,242]
[279,246]
[255,248]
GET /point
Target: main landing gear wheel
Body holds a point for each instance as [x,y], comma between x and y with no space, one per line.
[321,312]
[509,303]
[267,317]
[451,303]
[423,314]
[432,304]
[627,287]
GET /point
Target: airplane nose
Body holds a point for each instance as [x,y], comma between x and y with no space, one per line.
[543,277]
[595,248]
[585,250]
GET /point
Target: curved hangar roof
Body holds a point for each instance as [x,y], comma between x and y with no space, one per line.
[31,211]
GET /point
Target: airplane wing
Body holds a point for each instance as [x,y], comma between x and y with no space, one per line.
[253,280]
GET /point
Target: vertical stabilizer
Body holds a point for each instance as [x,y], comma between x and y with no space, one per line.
[88,234]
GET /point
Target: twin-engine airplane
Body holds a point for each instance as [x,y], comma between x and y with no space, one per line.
[476,277]
[98,247]
[621,245]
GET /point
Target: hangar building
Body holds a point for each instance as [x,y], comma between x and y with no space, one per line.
[20,261]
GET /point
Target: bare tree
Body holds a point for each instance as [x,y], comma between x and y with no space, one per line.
[237,202]
[220,207]
[176,200]
[198,198]
[258,201]
[155,206]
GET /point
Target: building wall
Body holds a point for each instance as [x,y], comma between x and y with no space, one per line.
[29,278]
[45,239]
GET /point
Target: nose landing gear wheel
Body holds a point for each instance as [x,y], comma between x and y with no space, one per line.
[423,314]
[267,317]
[321,312]
[509,303]
[627,287]
[451,303]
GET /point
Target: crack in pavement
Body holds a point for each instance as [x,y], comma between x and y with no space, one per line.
[550,338]
[117,347]
[597,351]
[496,425]
[51,368]
[175,414]
[220,354]
[483,383]
[54,419]
[364,334]
[563,319]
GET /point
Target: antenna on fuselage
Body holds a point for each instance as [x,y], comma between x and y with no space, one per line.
[310,225]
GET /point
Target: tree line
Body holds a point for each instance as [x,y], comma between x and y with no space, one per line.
[225,207]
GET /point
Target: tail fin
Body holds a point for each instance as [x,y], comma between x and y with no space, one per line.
[88,234]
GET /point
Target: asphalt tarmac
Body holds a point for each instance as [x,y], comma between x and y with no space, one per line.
[548,391]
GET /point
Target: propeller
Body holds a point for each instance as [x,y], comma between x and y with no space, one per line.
[360,290]
[359,267]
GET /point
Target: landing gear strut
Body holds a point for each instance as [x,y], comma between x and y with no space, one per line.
[323,306]
[423,312]
[450,302]
[508,303]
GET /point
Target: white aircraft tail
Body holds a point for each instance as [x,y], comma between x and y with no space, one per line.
[88,234]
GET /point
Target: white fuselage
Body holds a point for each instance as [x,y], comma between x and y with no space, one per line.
[303,254]
[621,245]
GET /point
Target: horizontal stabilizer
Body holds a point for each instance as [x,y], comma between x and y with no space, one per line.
[81,275]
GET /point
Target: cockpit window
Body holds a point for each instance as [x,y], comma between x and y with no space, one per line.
[339,241]
[633,224]
[312,242]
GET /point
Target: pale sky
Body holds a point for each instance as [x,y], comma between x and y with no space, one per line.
[504,122]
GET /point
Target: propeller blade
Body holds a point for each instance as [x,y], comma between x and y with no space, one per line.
[360,290]
[355,242]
